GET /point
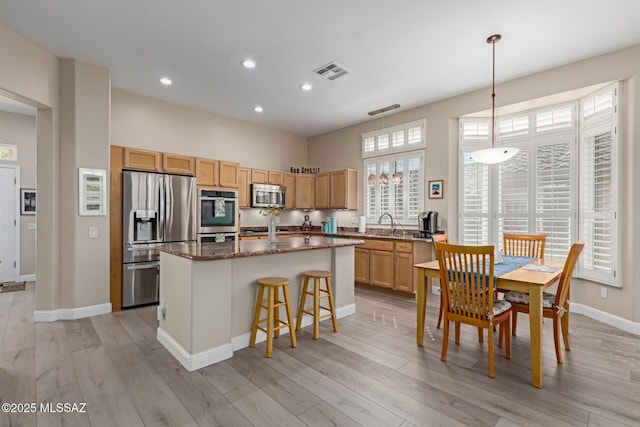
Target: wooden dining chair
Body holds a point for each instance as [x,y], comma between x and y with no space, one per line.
[553,306]
[466,277]
[531,245]
[440,238]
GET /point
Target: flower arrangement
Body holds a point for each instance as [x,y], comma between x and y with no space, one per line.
[271,210]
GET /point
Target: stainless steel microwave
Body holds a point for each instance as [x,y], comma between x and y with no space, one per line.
[263,195]
[217,211]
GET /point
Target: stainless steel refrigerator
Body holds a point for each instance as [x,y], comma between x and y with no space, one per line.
[156,209]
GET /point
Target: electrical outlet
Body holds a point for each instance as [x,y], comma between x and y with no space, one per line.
[355,220]
[603,292]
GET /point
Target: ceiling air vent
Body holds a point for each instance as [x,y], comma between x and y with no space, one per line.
[331,71]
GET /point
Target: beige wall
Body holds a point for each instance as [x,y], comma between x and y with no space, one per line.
[20,130]
[138,121]
[442,158]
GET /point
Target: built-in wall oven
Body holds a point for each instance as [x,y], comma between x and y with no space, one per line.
[217,211]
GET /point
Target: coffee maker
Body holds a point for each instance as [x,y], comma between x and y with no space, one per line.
[428,224]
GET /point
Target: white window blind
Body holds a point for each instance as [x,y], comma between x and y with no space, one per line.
[599,187]
[394,184]
[400,138]
[563,183]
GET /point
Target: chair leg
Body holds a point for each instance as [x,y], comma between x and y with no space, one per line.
[514,322]
[276,313]
[457,332]
[316,308]
[491,356]
[292,333]
[270,313]
[445,338]
[481,335]
[334,318]
[507,336]
[256,316]
[556,338]
[303,298]
[565,331]
[441,310]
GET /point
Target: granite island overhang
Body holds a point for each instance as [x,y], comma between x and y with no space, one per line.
[208,291]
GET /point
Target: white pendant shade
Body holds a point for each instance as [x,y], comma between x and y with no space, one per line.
[494,155]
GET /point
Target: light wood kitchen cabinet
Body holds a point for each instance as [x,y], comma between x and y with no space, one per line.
[343,187]
[178,164]
[290,192]
[403,267]
[322,190]
[228,174]
[361,273]
[207,172]
[259,176]
[145,160]
[276,178]
[217,173]
[388,263]
[244,196]
[304,191]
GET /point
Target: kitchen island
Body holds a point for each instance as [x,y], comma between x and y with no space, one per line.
[208,290]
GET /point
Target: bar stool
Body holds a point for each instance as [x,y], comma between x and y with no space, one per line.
[317,294]
[272,304]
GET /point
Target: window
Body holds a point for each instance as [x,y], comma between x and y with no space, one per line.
[8,152]
[562,182]
[394,172]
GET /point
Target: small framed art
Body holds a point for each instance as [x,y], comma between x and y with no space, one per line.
[27,201]
[436,189]
[93,192]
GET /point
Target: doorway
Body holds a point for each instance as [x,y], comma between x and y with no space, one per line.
[9,231]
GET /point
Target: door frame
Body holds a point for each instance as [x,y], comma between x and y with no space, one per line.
[17,219]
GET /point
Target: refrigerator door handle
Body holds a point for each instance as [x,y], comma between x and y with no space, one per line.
[161,201]
[143,267]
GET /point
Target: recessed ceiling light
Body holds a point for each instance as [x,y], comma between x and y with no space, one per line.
[248,63]
[258,109]
[305,86]
[165,81]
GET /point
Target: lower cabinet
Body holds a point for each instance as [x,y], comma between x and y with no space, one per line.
[389,264]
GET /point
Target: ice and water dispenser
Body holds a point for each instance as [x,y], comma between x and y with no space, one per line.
[145,223]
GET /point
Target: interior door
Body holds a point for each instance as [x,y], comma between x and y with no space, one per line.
[7,224]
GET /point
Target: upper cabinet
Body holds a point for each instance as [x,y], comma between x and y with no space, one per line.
[228,177]
[207,172]
[259,176]
[276,178]
[322,190]
[217,173]
[244,177]
[178,164]
[304,191]
[142,160]
[343,187]
[290,192]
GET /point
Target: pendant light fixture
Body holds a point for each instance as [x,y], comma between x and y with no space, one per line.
[494,154]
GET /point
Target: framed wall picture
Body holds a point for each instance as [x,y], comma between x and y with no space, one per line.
[27,201]
[93,192]
[436,189]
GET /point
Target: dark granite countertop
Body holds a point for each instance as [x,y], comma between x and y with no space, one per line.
[382,234]
[225,250]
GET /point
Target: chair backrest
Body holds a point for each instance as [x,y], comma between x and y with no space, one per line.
[524,244]
[440,238]
[467,272]
[567,271]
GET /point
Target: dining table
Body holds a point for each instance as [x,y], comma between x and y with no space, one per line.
[532,278]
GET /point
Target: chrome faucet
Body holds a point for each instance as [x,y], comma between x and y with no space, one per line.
[393,224]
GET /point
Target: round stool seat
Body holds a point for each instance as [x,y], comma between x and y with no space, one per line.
[317,273]
[273,281]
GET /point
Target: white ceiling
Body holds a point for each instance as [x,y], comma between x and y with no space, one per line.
[410,52]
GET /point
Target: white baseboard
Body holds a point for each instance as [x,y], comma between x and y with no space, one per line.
[28,278]
[192,362]
[71,313]
[242,341]
[606,318]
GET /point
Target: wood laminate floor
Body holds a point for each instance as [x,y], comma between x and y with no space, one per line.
[370,373]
